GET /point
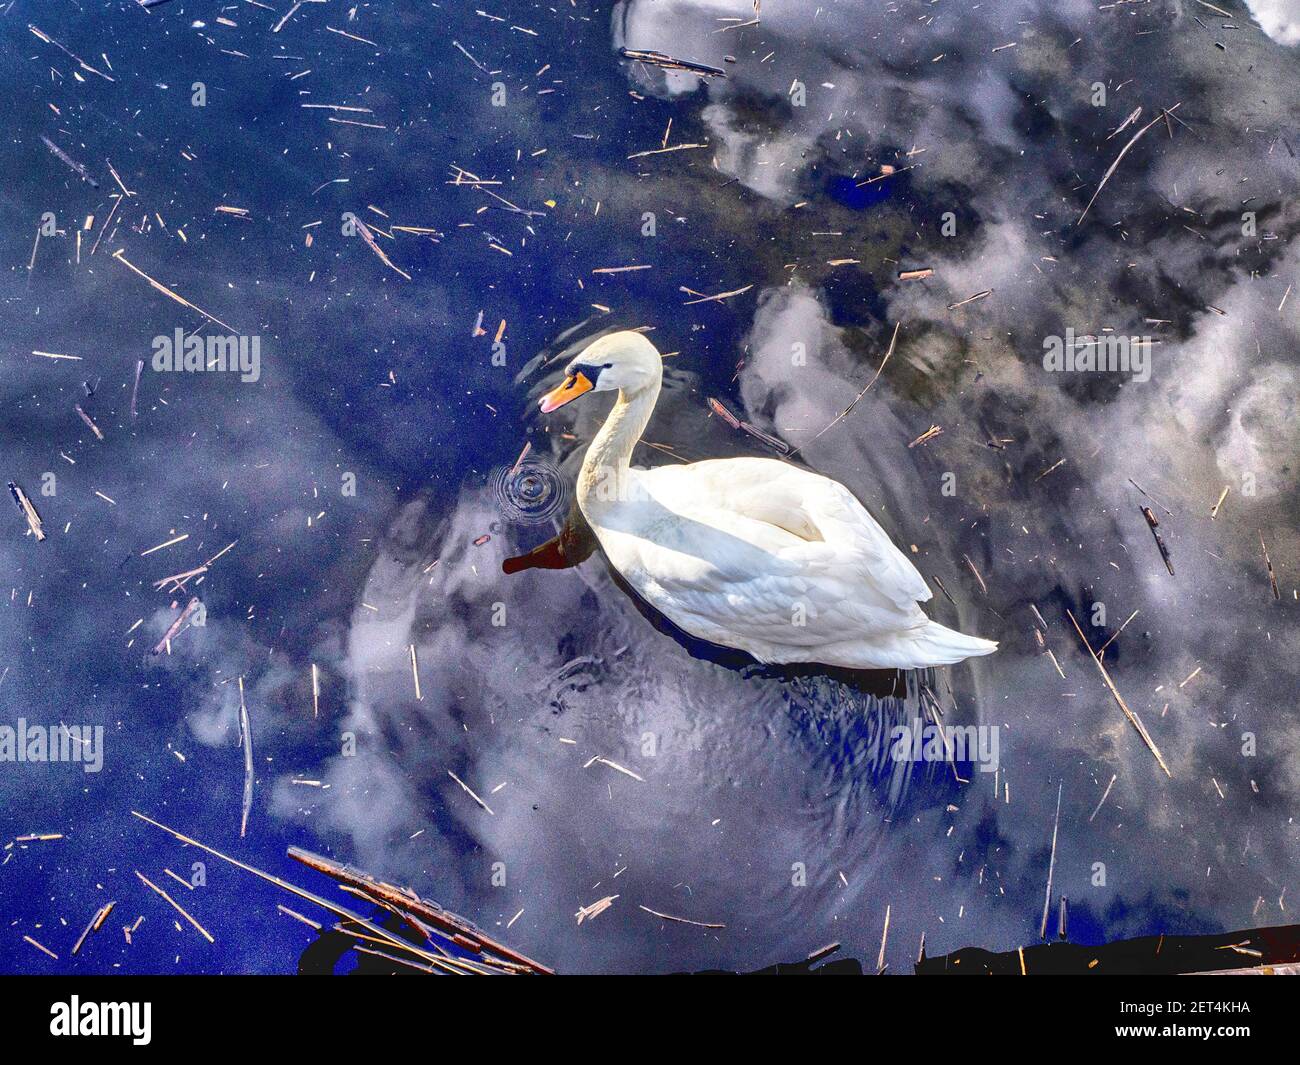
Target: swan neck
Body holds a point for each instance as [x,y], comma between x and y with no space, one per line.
[605,470]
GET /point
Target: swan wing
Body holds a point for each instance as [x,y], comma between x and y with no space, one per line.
[767,603]
[835,533]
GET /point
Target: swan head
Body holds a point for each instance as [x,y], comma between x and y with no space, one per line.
[624,362]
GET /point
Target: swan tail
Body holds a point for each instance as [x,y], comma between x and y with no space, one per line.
[938,645]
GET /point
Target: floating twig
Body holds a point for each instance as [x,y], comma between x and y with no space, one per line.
[717,298]
[101,915]
[1272,577]
[586,913]
[324,903]
[667,62]
[175,626]
[246,738]
[858,398]
[1150,497]
[1123,152]
[1102,801]
[1051,864]
[369,238]
[1153,522]
[469,791]
[1134,720]
[929,434]
[65,158]
[166,291]
[176,905]
[28,511]
[971,299]
[680,920]
[1214,510]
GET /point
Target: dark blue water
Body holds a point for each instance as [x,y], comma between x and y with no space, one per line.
[767,801]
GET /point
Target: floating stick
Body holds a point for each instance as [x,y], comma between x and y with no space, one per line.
[681,920]
[1123,152]
[856,399]
[179,909]
[64,157]
[1272,577]
[1154,523]
[246,735]
[324,903]
[166,291]
[1051,865]
[1134,720]
[28,511]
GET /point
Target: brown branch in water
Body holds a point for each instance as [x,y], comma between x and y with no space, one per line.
[96,922]
[460,930]
[176,905]
[246,738]
[983,586]
[1154,523]
[175,626]
[1272,577]
[1123,152]
[160,287]
[681,920]
[333,907]
[929,434]
[1134,720]
[369,238]
[28,511]
[858,398]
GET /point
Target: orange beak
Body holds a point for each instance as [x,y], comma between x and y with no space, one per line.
[572,387]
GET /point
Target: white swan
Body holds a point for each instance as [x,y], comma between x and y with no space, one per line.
[748,553]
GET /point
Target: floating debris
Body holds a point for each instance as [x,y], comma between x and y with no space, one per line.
[1272,577]
[680,920]
[469,791]
[165,643]
[1214,510]
[246,739]
[64,157]
[587,913]
[1051,863]
[41,947]
[615,766]
[1154,524]
[158,286]
[373,244]
[667,62]
[718,408]
[175,905]
[1119,158]
[28,511]
[929,434]
[716,298]
[1102,801]
[971,299]
[858,398]
[86,418]
[452,944]
[1134,720]
[96,922]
